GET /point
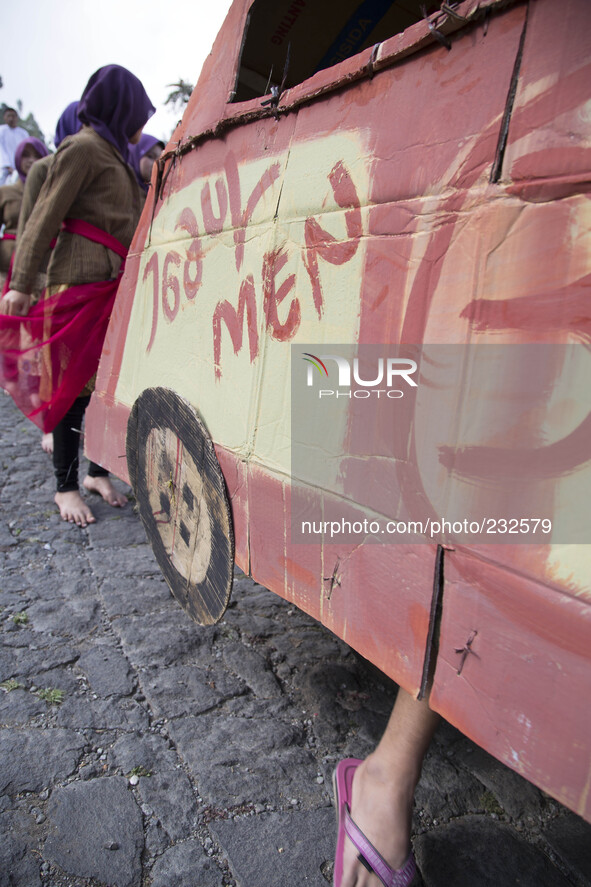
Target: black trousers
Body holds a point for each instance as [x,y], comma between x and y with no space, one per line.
[66,443]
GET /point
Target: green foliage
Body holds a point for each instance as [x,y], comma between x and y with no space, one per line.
[10,684]
[138,771]
[20,618]
[30,124]
[490,804]
[53,697]
[180,95]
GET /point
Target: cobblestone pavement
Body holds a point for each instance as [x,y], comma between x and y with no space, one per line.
[138,749]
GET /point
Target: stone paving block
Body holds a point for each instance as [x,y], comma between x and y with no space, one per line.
[166,638]
[326,692]
[170,797]
[68,559]
[72,617]
[126,597]
[48,586]
[445,792]
[18,866]
[180,690]
[84,712]
[157,840]
[148,750]
[17,635]
[7,540]
[459,854]
[256,595]
[13,584]
[8,665]
[55,679]
[32,759]
[239,761]
[277,849]
[107,670]
[107,563]
[257,621]
[96,831]
[303,644]
[569,836]
[252,668]
[114,526]
[29,661]
[167,796]
[19,707]
[186,865]
[514,793]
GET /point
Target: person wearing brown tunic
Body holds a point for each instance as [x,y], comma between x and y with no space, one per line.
[89,181]
[28,152]
[11,197]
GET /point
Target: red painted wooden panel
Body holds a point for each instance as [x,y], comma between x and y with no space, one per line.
[523,690]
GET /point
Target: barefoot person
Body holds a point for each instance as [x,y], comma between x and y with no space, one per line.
[92,199]
[374,801]
[67,125]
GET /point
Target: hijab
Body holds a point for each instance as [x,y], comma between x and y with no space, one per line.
[68,124]
[136,152]
[115,104]
[39,147]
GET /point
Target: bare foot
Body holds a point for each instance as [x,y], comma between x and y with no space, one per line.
[104,487]
[47,443]
[74,509]
[383,812]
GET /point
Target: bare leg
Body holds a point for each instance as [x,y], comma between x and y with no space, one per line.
[73,508]
[384,786]
[104,487]
[47,443]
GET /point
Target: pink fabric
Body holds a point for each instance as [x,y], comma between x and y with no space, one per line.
[6,286]
[43,364]
[91,232]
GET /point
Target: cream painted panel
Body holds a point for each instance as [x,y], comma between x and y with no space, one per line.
[180,339]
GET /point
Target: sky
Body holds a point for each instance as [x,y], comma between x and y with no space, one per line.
[50,48]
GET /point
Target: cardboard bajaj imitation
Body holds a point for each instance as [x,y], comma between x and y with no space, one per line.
[350,351]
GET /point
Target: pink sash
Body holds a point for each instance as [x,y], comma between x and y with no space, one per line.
[48,356]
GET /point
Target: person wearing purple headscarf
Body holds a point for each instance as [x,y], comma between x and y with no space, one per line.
[27,153]
[143,156]
[116,106]
[68,124]
[92,199]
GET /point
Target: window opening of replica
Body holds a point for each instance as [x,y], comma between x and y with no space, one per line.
[287,41]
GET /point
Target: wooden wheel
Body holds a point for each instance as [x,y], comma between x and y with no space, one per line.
[182,501]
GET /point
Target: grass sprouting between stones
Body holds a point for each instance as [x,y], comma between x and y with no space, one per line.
[50,695]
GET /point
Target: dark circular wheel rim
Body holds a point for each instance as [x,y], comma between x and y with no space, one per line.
[182,501]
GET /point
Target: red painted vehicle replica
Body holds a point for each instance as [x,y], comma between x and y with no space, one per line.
[358,173]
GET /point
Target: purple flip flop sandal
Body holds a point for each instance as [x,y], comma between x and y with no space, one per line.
[407,876]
